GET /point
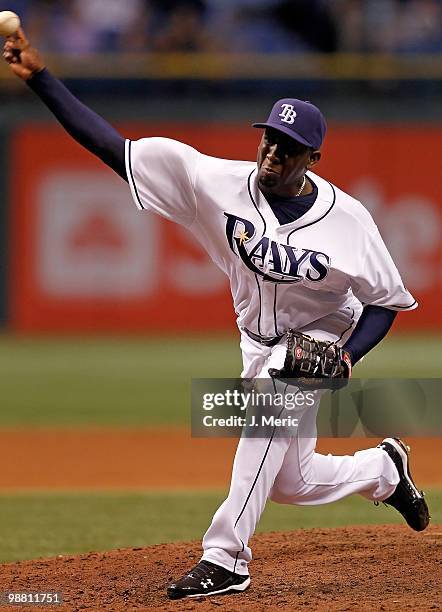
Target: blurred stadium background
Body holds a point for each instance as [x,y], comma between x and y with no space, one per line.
[107,314]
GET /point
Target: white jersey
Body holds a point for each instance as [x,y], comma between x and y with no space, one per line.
[313,273]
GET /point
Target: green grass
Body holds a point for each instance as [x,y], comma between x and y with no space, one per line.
[48,524]
[133,381]
[106,381]
[130,382]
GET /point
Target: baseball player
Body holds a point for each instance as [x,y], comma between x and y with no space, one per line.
[300,254]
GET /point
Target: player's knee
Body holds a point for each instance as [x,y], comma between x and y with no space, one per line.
[289,492]
[283,493]
[279,498]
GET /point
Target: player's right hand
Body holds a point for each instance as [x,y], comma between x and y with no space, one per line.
[24,60]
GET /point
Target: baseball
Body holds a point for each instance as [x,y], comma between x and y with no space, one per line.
[9,23]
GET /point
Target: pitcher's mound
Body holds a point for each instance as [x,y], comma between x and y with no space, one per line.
[358,568]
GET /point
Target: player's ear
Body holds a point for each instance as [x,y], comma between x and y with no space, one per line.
[315,156]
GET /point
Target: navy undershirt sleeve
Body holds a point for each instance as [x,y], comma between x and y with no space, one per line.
[372,326]
[83,124]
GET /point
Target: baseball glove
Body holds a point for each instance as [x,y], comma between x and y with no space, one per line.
[314,364]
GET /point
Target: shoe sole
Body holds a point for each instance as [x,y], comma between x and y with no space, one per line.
[400,447]
[234,587]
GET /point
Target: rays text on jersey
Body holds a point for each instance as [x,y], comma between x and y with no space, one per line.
[275,262]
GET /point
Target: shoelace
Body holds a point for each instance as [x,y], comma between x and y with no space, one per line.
[395,498]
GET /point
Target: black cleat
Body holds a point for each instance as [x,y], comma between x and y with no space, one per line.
[206,578]
[407,499]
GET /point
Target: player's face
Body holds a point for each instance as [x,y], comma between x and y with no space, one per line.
[282,162]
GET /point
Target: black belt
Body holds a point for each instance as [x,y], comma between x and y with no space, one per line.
[264,340]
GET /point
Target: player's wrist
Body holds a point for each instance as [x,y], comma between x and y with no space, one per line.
[347,363]
[36,72]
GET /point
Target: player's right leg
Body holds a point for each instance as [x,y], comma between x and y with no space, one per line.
[406,498]
[380,474]
[310,478]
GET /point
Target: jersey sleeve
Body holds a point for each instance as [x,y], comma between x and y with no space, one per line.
[380,283]
[161,174]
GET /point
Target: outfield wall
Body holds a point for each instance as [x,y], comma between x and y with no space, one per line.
[82,258]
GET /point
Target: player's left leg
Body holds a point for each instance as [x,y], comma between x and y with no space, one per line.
[224,565]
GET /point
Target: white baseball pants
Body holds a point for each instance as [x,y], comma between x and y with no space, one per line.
[288,471]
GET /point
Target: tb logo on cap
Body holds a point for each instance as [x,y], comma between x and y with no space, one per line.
[288,113]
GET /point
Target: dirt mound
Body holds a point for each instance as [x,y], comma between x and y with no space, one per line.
[358,568]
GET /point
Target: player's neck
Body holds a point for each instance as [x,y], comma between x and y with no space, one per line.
[290,192]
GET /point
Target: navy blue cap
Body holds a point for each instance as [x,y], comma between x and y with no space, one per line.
[301,120]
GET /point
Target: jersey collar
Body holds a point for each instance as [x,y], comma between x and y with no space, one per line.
[323,204]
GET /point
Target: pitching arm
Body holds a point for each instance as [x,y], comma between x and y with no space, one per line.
[84,125]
